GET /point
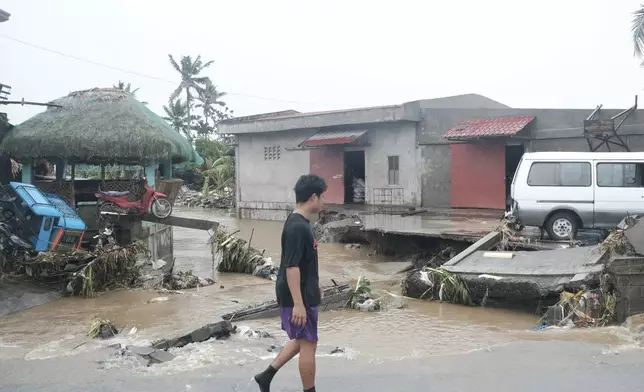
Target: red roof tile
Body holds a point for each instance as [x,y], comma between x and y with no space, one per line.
[488,127]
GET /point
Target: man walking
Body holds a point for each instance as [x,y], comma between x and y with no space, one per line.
[298,285]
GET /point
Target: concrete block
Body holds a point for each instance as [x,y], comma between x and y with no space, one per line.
[635,235]
[633,292]
[622,280]
[160,356]
[635,306]
[636,280]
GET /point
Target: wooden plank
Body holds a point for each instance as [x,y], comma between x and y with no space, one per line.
[485,243]
[189,223]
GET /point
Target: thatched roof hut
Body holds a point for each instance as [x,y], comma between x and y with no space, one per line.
[97,126]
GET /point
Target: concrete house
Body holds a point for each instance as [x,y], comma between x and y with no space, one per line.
[452,152]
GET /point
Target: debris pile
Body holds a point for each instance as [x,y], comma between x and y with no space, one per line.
[183,280]
[214,199]
[232,254]
[626,238]
[84,273]
[362,298]
[585,308]
[338,227]
[436,284]
[103,329]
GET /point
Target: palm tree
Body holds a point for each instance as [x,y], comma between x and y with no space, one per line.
[190,79]
[221,171]
[177,115]
[202,127]
[637,29]
[209,98]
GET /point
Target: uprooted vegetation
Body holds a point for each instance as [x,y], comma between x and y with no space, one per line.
[108,266]
[233,254]
[362,298]
[436,284]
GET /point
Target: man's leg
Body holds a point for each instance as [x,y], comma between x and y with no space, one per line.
[308,347]
[307,364]
[287,353]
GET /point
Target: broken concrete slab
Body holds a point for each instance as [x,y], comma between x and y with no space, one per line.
[529,275]
[635,235]
[219,330]
[140,350]
[160,356]
[486,243]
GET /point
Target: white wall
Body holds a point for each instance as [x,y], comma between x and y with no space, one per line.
[393,139]
[262,180]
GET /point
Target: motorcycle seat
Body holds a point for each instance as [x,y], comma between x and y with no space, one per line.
[114,193]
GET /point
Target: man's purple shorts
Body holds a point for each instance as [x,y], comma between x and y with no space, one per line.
[309,331]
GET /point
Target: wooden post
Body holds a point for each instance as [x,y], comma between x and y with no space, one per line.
[151,173]
[167,169]
[60,170]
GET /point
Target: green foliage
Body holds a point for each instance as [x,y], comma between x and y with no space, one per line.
[191,174]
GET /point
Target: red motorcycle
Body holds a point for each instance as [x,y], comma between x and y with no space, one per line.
[113,202]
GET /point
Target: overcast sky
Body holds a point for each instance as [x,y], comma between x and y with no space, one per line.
[273,55]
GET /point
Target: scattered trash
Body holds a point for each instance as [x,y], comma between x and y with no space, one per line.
[158,299]
[251,333]
[103,329]
[183,280]
[338,350]
[362,298]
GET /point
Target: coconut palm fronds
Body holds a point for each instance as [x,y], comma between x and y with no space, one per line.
[362,298]
[510,228]
[111,266]
[15,167]
[237,255]
[617,243]
[445,286]
[103,329]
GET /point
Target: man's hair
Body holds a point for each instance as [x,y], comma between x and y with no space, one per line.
[307,186]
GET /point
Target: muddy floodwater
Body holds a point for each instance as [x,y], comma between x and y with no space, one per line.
[419,330]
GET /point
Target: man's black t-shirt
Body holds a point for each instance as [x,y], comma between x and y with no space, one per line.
[299,249]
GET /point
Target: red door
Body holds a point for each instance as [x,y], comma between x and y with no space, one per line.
[328,163]
[478,175]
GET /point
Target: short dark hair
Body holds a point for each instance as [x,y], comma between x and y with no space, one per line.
[307,186]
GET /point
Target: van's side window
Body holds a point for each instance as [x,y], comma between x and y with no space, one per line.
[622,175]
[559,174]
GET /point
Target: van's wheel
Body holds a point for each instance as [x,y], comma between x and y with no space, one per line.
[562,226]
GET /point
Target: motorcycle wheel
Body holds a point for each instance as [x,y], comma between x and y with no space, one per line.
[161,208]
[107,210]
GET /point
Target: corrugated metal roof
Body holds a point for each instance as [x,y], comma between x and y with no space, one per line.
[488,127]
[326,138]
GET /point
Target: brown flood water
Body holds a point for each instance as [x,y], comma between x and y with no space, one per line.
[419,330]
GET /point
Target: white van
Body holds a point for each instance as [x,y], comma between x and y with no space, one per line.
[562,192]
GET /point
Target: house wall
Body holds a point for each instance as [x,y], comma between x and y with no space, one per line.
[389,140]
[552,130]
[265,187]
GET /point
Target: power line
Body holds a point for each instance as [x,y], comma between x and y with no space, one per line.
[148,76]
